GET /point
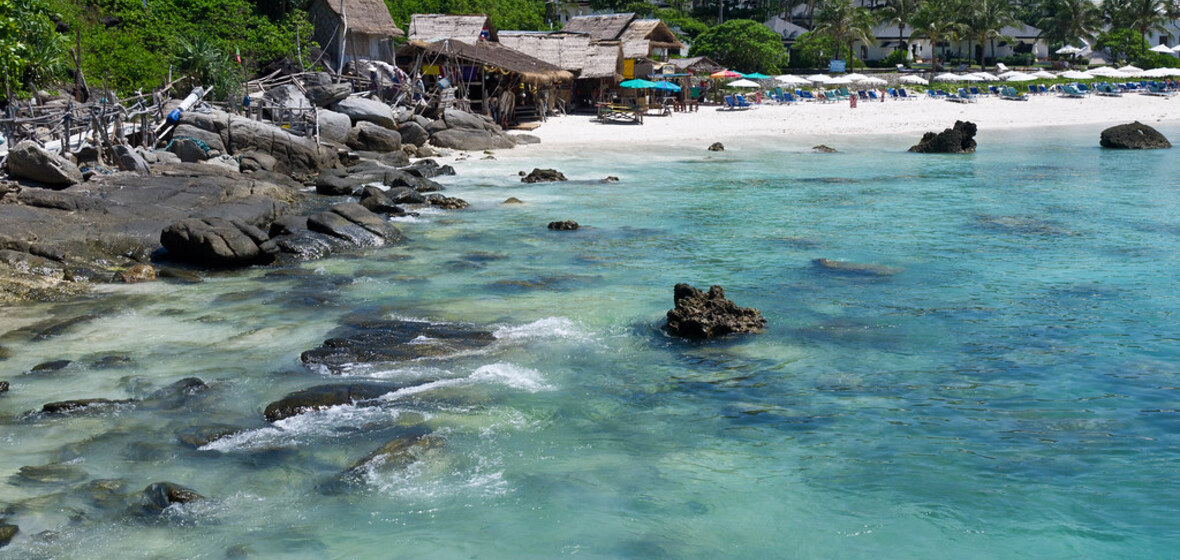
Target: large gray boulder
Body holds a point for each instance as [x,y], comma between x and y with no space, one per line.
[293,153]
[370,137]
[465,131]
[29,161]
[215,242]
[1133,136]
[286,97]
[322,91]
[334,127]
[413,133]
[209,137]
[131,160]
[356,225]
[367,110]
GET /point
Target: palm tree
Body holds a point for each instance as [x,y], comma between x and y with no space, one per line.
[987,19]
[844,19]
[937,20]
[1066,21]
[1146,15]
[899,13]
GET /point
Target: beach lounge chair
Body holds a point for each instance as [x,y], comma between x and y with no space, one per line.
[805,95]
[873,95]
[1069,90]
[1010,94]
[740,102]
[975,91]
[1156,90]
[1042,89]
[1106,90]
[893,94]
[904,94]
[788,98]
[1032,89]
[729,103]
[994,90]
[1000,68]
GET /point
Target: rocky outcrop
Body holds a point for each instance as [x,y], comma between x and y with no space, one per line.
[565,225]
[543,176]
[322,91]
[29,161]
[717,147]
[159,495]
[355,225]
[337,182]
[1133,136]
[79,405]
[324,396]
[459,130]
[370,137]
[709,315]
[138,273]
[366,339]
[131,160]
[360,109]
[957,140]
[294,154]
[215,242]
[287,97]
[413,133]
[7,532]
[334,127]
[379,202]
[446,202]
[3,387]
[397,453]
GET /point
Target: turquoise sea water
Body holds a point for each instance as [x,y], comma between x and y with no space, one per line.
[1011,392]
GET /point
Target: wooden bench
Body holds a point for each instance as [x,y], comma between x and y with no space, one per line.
[610,112]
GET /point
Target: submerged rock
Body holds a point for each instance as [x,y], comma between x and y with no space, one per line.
[159,495]
[709,315]
[564,225]
[863,269]
[138,273]
[54,473]
[823,149]
[716,147]
[50,366]
[367,340]
[512,200]
[1133,136]
[7,532]
[446,202]
[957,140]
[3,387]
[324,396]
[398,453]
[196,437]
[79,405]
[543,176]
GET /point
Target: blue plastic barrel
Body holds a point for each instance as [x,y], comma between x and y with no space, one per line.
[174,116]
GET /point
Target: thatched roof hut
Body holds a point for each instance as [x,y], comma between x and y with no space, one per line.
[492,56]
[370,29]
[640,37]
[696,65]
[607,27]
[470,29]
[575,52]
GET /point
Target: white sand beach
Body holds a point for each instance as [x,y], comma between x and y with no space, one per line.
[910,118]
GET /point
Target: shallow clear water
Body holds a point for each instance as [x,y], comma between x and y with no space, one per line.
[1010,392]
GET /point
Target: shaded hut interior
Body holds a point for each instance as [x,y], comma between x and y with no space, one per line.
[367,29]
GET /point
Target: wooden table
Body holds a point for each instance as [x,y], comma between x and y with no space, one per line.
[611,112]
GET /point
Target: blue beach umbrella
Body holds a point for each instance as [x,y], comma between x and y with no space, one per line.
[756,76]
[667,86]
[637,84]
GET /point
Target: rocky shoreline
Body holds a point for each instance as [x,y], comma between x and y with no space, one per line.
[226,192]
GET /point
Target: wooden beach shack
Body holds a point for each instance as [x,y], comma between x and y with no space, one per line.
[353,29]
[595,65]
[470,29]
[639,38]
[484,77]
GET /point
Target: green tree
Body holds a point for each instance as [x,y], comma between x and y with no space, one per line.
[1122,44]
[899,13]
[32,53]
[986,19]
[1068,21]
[845,20]
[812,50]
[937,20]
[1141,15]
[742,44]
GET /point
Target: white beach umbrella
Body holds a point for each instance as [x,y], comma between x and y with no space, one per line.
[819,78]
[972,78]
[986,77]
[1133,70]
[1043,75]
[947,77]
[1157,73]
[874,81]
[1106,71]
[913,79]
[1069,49]
[1161,49]
[838,81]
[743,83]
[1075,75]
[1020,77]
[856,77]
[1004,75]
[789,80]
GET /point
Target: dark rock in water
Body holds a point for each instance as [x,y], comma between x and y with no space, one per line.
[710,315]
[405,195]
[215,242]
[859,269]
[512,200]
[196,437]
[379,202]
[371,137]
[356,225]
[50,366]
[824,149]
[138,273]
[106,492]
[957,140]
[111,361]
[176,393]
[5,353]
[716,147]
[324,396]
[29,161]
[428,169]
[180,275]
[398,453]
[1134,136]
[159,495]
[79,405]
[446,202]
[54,473]
[566,225]
[7,532]
[3,387]
[366,340]
[610,179]
[543,176]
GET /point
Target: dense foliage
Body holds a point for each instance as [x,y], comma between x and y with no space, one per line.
[742,44]
[31,50]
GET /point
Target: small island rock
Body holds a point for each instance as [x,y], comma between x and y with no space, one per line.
[1134,136]
[717,147]
[709,315]
[564,225]
[543,176]
[957,140]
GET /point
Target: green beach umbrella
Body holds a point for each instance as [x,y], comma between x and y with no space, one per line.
[756,76]
[637,84]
